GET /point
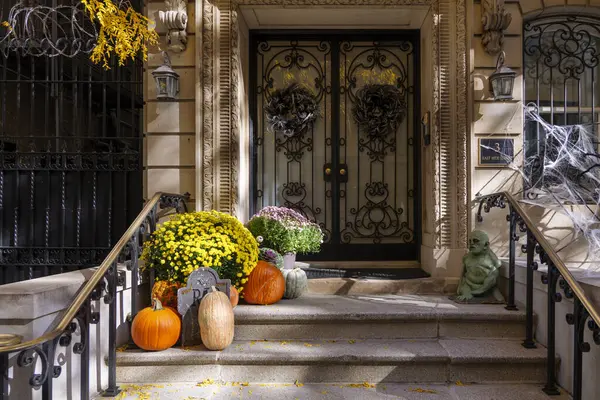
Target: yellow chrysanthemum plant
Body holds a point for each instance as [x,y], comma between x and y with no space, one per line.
[123,32]
[201,239]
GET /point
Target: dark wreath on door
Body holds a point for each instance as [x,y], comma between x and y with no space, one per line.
[334,122]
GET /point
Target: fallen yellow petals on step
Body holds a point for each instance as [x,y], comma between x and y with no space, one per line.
[361,385]
[122,348]
[283,342]
[351,341]
[324,392]
[139,391]
[308,345]
[419,390]
[298,384]
[205,382]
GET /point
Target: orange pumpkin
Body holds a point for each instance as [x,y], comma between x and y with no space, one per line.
[265,285]
[156,328]
[166,292]
[234,296]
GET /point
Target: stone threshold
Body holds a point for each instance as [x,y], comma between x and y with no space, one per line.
[366,286]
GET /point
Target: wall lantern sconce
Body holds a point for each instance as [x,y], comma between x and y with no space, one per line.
[167,80]
[502,81]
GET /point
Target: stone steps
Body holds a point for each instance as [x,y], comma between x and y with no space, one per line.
[376,317]
[352,339]
[396,361]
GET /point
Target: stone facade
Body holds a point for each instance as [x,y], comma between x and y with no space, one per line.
[490,118]
[170,127]
[200,143]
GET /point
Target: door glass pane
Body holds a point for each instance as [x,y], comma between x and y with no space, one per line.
[376,85]
[290,168]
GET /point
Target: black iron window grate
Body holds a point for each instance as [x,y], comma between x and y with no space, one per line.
[70,161]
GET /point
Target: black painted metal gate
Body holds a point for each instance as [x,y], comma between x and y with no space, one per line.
[70,162]
[362,189]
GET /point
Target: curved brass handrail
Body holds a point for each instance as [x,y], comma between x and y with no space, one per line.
[554,258]
[91,284]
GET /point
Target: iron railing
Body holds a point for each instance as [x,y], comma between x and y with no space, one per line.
[80,315]
[584,312]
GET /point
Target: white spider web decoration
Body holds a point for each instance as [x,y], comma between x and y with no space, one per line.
[564,175]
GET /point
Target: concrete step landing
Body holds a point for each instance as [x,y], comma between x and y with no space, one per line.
[357,391]
[379,361]
[317,316]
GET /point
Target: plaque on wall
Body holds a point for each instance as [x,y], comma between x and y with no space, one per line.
[496,152]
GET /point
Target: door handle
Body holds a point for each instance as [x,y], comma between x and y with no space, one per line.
[327,170]
[343,173]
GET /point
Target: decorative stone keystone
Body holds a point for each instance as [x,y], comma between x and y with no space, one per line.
[189,297]
[175,19]
[495,21]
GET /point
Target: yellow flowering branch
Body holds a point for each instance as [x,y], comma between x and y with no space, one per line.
[123,32]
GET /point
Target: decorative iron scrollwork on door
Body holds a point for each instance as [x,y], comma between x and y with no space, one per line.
[376,86]
[333,122]
[292,69]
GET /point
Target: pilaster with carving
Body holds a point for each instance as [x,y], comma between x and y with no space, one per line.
[224,152]
[175,19]
[462,210]
[235,111]
[207,95]
[435,124]
[495,21]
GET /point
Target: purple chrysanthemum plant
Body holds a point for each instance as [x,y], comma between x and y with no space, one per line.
[285,230]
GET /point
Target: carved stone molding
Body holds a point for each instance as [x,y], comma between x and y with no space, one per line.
[236,71]
[461,132]
[175,19]
[333,2]
[206,137]
[495,21]
[434,171]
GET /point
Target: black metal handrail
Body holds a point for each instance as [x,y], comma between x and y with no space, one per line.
[584,312]
[101,285]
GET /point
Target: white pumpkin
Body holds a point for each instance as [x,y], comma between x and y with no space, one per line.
[296,283]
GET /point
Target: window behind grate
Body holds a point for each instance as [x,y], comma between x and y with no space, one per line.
[70,160]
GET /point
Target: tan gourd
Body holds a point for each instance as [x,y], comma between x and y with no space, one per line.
[215,316]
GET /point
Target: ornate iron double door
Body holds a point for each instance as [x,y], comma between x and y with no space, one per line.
[335,121]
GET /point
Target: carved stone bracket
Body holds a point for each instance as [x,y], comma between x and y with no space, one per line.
[175,19]
[495,21]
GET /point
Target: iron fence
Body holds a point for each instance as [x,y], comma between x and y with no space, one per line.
[70,160]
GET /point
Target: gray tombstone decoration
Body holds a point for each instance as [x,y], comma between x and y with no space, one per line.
[189,297]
